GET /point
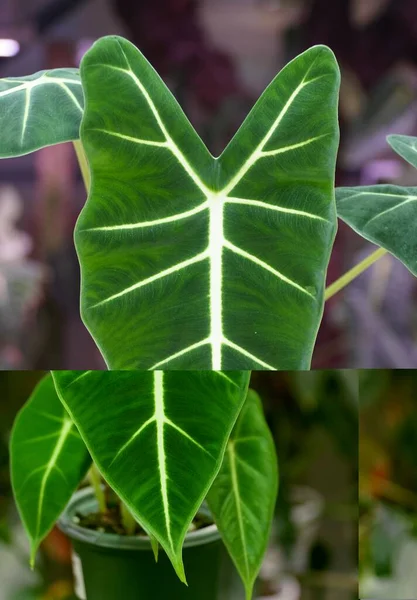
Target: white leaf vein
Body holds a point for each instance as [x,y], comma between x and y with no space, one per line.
[266,266]
[51,465]
[154,223]
[160,275]
[282,209]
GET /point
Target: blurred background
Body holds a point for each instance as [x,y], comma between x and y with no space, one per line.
[217,56]
[388,485]
[313,549]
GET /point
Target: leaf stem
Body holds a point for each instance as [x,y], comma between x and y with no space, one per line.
[348,277]
[127,518]
[82,161]
[95,480]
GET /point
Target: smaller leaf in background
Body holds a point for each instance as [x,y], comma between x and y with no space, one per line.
[385,215]
[48,461]
[243,496]
[405,146]
[39,110]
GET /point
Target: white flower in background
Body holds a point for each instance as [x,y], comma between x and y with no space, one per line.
[15,245]
[20,278]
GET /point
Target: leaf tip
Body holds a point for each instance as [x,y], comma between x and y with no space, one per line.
[179,569]
[155,548]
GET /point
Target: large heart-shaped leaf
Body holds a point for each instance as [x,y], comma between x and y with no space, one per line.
[193,261]
[39,110]
[243,495]
[48,461]
[158,439]
[386,214]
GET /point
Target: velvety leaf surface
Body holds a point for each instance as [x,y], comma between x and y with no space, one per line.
[385,215]
[48,461]
[191,261]
[243,495]
[39,110]
[158,439]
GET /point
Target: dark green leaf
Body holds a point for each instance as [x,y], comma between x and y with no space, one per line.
[191,261]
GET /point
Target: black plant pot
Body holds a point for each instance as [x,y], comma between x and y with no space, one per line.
[112,567]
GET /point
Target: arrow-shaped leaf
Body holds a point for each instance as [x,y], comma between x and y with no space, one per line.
[158,439]
[243,495]
[39,110]
[191,261]
[48,461]
[385,214]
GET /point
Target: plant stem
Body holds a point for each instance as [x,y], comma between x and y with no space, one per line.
[128,520]
[82,161]
[95,480]
[348,277]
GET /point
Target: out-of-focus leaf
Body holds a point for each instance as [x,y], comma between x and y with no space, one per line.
[243,495]
[39,110]
[48,461]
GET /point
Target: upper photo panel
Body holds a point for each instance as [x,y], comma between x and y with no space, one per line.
[208,185]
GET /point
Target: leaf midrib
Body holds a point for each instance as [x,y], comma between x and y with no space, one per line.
[65,432]
[236,494]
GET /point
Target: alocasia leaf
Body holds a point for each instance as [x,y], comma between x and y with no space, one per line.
[192,261]
[243,495]
[39,110]
[385,214]
[158,439]
[48,461]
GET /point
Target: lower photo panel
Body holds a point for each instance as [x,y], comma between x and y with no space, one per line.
[207,485]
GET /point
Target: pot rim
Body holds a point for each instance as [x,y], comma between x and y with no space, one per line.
[84,501]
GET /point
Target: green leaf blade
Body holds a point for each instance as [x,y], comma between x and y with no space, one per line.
[243,495]
[39,110]
[157,438]
[385,215]
[226,257]
[48,461]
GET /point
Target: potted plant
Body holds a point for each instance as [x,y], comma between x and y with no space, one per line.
[169,445]
[189,260]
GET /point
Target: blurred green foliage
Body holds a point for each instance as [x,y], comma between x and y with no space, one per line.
[387,478]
